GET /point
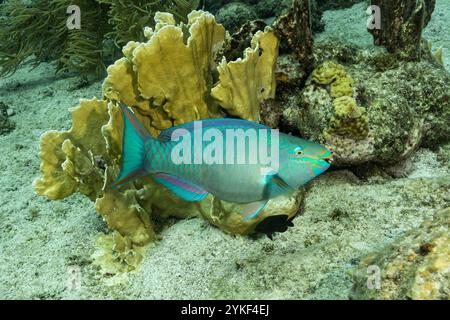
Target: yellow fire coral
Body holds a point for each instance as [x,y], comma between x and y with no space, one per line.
[168,80]
[239,96]
[68,157]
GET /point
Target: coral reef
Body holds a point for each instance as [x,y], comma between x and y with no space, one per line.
[267,10]
[370,106]
[87,157]
[348,120]
[402,25]
[335,4]
[415,266]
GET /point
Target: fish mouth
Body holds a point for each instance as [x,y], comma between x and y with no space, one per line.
[328,159]
[328,155]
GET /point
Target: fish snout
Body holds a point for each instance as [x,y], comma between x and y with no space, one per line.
[328,158]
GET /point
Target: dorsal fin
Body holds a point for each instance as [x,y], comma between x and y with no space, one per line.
[218,123]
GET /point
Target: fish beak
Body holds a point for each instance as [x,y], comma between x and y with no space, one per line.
[328,159]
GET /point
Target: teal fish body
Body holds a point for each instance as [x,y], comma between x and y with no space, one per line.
[235,160]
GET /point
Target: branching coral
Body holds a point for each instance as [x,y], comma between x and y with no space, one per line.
[167,80]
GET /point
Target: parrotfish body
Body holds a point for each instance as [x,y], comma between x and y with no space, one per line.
[217,156]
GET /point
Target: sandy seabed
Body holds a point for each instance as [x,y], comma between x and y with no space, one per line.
[41,241]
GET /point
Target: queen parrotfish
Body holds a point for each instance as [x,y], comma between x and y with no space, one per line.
[236,160]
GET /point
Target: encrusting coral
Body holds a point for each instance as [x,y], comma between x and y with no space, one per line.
[349,119]
[344,124]
[168,80]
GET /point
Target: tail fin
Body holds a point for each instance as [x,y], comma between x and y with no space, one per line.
[134,148]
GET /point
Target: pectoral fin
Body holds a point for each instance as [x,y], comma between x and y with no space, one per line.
[275,186]
[253,209]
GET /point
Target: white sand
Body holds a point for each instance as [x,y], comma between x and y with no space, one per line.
[344,218]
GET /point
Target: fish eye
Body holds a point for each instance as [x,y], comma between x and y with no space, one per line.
[298,151]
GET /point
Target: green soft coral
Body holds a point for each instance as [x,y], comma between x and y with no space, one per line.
[128,18]
[37,32]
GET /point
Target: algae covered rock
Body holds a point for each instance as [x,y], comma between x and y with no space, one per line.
[416,266]
[371,107]
[402,26]
[170,79]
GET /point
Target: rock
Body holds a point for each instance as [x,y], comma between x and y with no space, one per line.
[235,14]
[416,266]
[369,107]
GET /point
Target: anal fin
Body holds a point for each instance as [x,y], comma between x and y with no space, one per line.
[181,188]
[253,209]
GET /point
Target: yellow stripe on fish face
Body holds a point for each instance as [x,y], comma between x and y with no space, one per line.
[316,165]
